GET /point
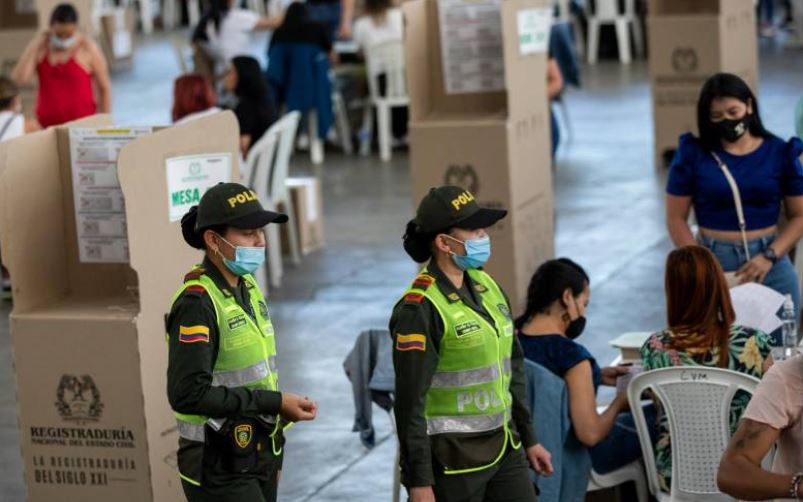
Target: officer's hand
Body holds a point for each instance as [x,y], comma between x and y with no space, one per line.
[422,494]
[540,460]
[297,409]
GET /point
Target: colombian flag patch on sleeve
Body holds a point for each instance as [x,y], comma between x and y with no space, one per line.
[411,342]
[193,334]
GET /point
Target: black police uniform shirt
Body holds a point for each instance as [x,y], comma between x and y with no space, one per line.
[421,455]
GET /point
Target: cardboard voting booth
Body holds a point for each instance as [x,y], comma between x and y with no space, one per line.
[689,41]
[87,327]
[479,119]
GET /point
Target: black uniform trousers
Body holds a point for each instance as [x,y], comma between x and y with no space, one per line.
[507,481]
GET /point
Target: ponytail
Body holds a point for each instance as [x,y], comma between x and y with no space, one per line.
[191,236]
[548,284]
[417,244]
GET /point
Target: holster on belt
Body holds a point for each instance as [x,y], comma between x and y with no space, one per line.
[237,442]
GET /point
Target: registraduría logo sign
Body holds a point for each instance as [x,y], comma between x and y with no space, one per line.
[78,399]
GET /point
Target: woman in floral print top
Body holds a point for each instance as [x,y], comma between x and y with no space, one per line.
[701,332]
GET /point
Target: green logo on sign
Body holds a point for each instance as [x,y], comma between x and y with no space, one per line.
[195,168]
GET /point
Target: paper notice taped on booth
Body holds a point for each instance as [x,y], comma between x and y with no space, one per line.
[99,204]
[471,45]
[533,30]
[189,177]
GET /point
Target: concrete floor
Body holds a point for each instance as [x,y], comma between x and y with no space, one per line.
[609,219]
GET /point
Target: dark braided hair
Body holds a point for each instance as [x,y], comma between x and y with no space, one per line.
[548,284]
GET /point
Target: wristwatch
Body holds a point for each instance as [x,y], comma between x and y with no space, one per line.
[769,254]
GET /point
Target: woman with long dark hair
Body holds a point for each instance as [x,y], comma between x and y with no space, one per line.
[736,175]
[701,332]
[254,108]
[554,317]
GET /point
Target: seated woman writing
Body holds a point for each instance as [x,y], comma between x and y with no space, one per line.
[557,299]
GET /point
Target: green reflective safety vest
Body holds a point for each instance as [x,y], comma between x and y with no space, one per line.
[246,351]
[470,390]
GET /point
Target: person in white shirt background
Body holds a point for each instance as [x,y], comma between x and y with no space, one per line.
[12,123]
[382,22]
[224,31]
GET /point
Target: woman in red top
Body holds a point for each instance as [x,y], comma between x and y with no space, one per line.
[66,63]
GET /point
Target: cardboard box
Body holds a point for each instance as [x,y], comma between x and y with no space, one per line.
[307,200]
[87,338]
[117,36]
[494,143]
[689,41]
[17,14]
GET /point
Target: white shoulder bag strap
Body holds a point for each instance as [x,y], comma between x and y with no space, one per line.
[737,200]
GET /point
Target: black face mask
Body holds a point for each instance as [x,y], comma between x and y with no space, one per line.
[576,326]
[732,130]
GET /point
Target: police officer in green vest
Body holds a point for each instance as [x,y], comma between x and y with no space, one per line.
[222,380]
[461,412]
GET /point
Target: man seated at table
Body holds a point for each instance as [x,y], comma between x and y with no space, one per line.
[773,415]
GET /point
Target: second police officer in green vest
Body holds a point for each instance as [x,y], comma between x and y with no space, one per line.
[222,380]
[462,418]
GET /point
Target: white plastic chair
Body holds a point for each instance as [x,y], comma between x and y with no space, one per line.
[633,471]
[697,402]
[607,12]
[269,182]
[385,59]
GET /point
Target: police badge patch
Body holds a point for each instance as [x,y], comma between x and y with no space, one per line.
[243,434]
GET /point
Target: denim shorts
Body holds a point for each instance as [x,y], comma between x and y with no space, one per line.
[781,277]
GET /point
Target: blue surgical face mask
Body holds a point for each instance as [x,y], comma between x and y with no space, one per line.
[246,259]
[477,252]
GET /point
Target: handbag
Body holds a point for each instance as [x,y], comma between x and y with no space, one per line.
[730,277]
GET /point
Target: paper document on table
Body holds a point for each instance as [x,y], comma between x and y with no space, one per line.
[757,306]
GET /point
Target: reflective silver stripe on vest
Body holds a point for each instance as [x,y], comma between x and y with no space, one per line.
[447,379]
[272,363]
[239,378]
[475,423]
[193,432]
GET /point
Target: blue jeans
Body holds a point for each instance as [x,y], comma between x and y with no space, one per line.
[621,446]
[781,277]
[327,14]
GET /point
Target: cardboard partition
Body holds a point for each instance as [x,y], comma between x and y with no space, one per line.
[495,144]
[505,166]
[690,40]
[429,99]
[307,199]
[88,338]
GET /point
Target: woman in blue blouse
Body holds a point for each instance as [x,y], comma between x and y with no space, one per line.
[767,172]
[557,298]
